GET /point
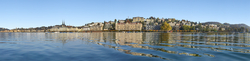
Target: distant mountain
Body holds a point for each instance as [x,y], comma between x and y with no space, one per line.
[212,23]
[226,23]
[239,25]
[230,25]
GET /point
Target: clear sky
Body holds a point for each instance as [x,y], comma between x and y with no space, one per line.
[36,13]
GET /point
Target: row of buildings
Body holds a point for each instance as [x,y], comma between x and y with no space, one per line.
[136,23]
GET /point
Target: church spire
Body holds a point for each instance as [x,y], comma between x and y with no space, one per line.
[63,22]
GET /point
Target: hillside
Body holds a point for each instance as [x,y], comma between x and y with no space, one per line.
[212,23]
[3,29]
[230,25]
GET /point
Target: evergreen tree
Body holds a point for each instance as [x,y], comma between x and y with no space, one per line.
[114,24]
[115,20]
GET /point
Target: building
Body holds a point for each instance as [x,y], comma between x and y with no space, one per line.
[56,29]
[96,28]
[213,26]
[60,28]
[121,21]
[161,20]
[85,28]
[222,29]
[176,27]
[149,20]
[172,24]
[128,26]
[152,27]
[111,22]
[194,24]
[138,19]
[108,26]
[171,19]
[74,29]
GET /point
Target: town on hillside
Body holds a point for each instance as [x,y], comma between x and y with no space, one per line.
[150,24]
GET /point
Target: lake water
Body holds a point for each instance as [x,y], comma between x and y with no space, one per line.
[115,46]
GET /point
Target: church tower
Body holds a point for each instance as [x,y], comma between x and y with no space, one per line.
[63,24]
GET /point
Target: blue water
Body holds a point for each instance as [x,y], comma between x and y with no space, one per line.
[115,46]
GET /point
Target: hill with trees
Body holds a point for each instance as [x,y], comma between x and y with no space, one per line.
[3,29]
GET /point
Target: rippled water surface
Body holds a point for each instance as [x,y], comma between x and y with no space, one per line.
[115,46]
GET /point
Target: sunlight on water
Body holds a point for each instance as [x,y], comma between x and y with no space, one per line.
[124,46]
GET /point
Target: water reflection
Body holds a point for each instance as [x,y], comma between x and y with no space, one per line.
[132,53]
[148,44]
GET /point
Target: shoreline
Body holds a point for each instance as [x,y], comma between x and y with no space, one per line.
[125,32]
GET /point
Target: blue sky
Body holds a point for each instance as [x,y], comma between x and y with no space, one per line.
[36,13]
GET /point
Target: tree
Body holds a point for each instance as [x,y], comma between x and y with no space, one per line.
[199,27]
[166,26]
[236,29]
[157,20]
[220,29]
[172,21]
[114,24]
[104,25]
[130,20]
[204,29]
[208,29]
[151,23]
[215,29]
[115,20]
[229,29]
[190,28]
[242,29]
[151,17]
[143,23]
[185,27]
[193,27]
